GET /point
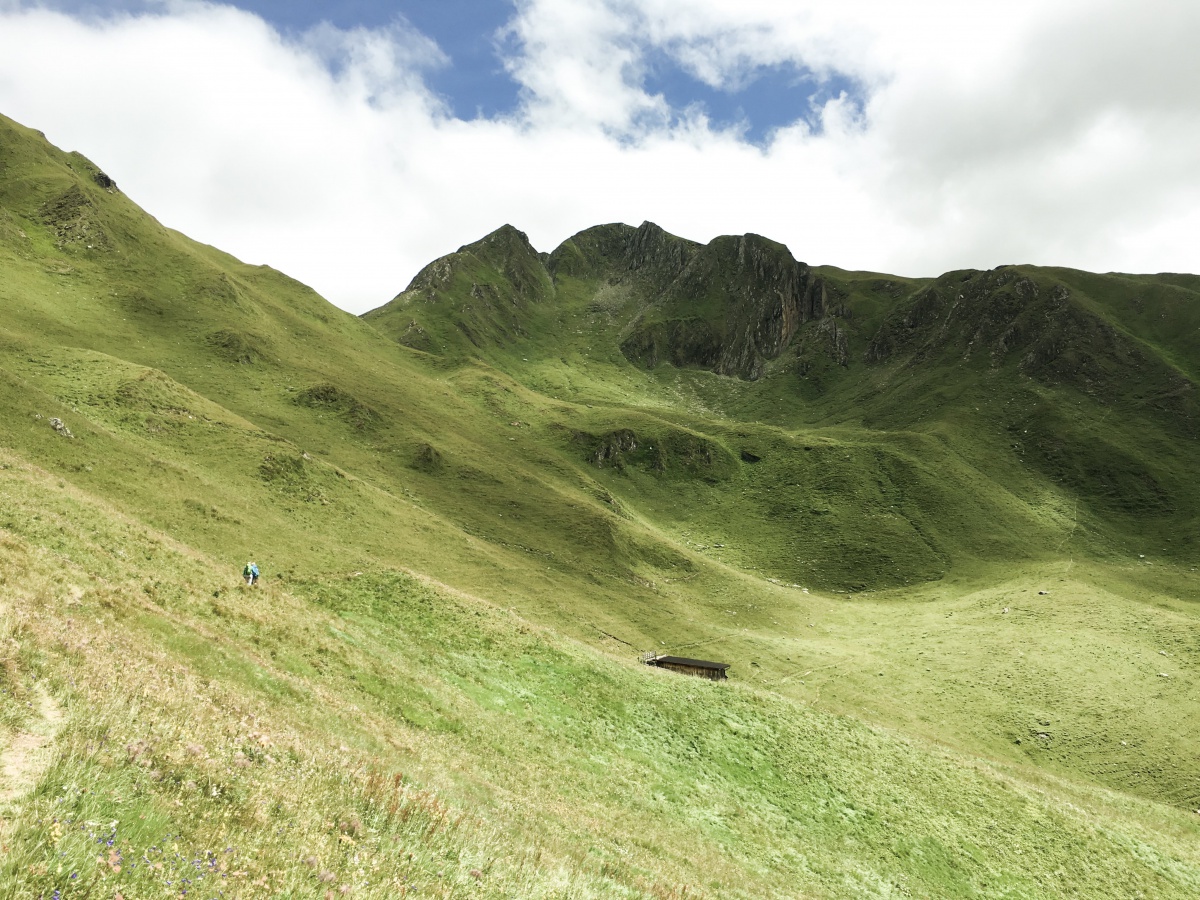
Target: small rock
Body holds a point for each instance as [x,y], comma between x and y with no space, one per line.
[1043,593]
[1163,675]
[61,427]
[1005,610]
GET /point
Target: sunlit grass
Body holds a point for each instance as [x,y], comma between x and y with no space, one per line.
[958,600]
[373,733]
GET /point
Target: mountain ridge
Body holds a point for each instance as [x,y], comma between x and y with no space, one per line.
[955,587]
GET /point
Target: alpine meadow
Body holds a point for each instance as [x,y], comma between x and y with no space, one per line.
[943,531]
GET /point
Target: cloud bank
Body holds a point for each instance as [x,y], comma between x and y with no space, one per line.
[1055,132]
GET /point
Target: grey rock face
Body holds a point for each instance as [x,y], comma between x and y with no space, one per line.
[735,305]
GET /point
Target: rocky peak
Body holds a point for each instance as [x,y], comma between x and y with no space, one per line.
[504,256]
[502,243]
[486,292]
[598,251]
[653,249]
[734,307]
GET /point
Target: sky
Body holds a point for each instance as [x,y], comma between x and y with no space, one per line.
[349,144]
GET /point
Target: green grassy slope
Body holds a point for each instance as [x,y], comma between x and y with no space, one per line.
[473,510]
[374,732]
[955,439]
[991,406]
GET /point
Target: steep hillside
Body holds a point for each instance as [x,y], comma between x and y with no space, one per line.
[965,429]
[942,529]
[982,400]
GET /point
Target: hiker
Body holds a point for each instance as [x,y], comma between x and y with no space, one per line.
[250,573]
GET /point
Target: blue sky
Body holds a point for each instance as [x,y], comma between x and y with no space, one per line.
[474,81]
[351,143]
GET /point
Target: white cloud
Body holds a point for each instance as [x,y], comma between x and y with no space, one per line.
[1051,132]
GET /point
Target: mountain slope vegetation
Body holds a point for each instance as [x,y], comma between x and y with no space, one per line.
[943,529]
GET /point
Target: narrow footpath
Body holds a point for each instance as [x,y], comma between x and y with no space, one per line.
[26,757]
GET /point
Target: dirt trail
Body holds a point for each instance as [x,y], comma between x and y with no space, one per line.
[27,755]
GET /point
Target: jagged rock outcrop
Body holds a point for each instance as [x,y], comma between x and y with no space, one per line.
[597,252]
[731,306]
[647,254]
[1005,317]
[735,305]
[75,221]
[998,315]
[329,397]
[666,451]
[653,253]
[489,289]
[504,261]
[990,312]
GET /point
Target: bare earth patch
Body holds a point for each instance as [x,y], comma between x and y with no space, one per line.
[26,757]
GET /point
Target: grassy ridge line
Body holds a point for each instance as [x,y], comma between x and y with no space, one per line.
[1094,411]
[249,307]
[650,782]
[213,759]
[173,336]
[694,604]
[634,553]
[148,441]
[198,471]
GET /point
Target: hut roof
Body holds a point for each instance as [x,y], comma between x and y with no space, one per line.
[682,661]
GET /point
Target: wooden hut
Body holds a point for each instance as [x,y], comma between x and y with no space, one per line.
[701,668]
